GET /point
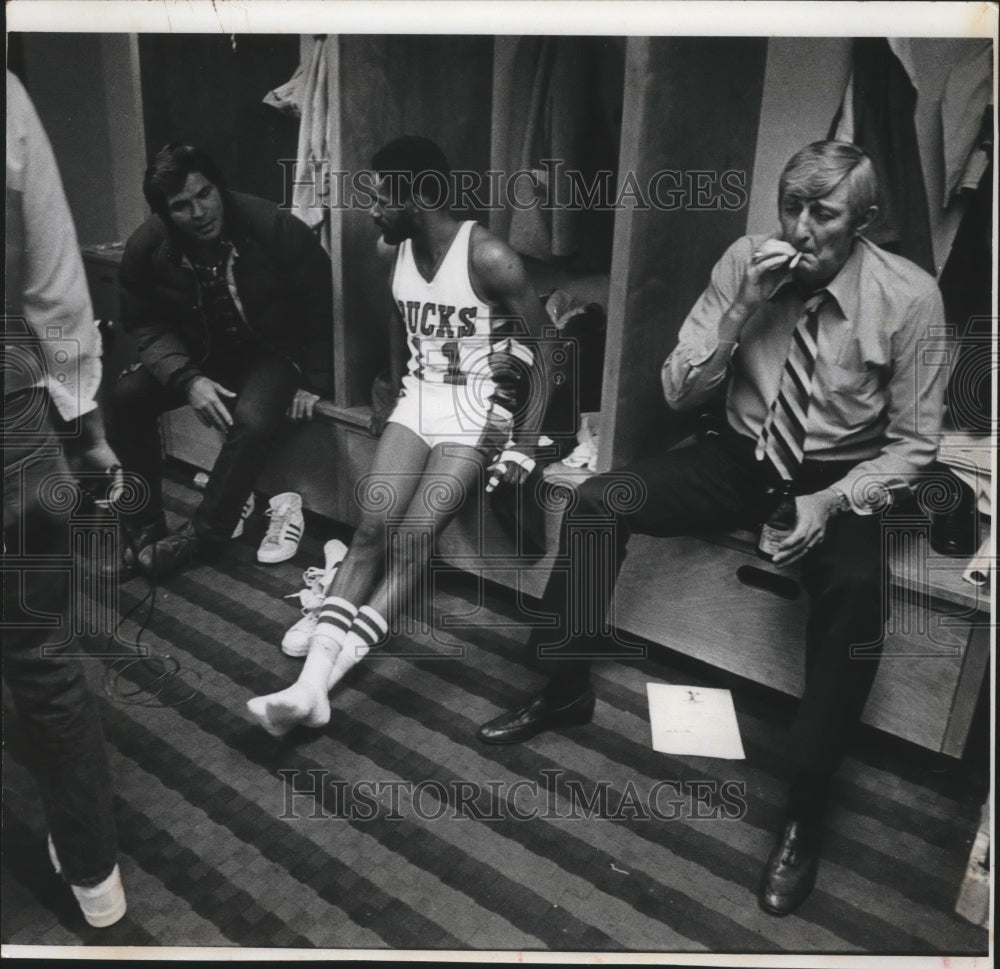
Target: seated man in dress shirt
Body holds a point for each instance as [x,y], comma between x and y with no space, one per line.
[857,421]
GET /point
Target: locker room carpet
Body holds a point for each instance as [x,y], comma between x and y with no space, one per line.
[415,835]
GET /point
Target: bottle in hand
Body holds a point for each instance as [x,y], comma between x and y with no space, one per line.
[779,525]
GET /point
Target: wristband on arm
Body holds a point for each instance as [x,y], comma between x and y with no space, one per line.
[509,456]
[512,454]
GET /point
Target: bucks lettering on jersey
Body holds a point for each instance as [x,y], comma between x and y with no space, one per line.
[435,333]
[454,337]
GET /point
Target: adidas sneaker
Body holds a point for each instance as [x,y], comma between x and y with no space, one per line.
[285,531]
[248,508]
[317,583]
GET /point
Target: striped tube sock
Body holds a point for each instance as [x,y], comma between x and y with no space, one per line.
[335,618]
[368,630]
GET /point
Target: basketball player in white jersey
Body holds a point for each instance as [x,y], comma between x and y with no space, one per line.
[462,299]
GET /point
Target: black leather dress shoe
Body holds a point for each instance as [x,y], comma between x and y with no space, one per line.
[790,872]
[125,563]
[166,556]
[539,715]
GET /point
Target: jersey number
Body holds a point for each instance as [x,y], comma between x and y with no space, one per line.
[441,358]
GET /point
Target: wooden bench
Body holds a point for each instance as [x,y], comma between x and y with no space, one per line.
[683,593]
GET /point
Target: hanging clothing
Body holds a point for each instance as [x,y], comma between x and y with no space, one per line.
[902,47]
[287,97]
[965,113]
[306,96]
[566,113]
[882,101]
[311,192]
[965,287]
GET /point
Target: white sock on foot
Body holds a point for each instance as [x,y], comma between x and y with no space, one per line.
[305,702]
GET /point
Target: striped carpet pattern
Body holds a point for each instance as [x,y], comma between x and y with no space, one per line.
[394,829]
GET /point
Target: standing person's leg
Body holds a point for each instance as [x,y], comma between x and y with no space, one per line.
[136,402]
[846,576]
[386,491]
[50,693]
[708,486]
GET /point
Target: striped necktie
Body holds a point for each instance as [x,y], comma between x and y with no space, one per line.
[784,432]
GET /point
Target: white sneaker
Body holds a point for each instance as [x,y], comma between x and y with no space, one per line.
[295,642]
[102,904]
[317,584]
[248,507]
[285,531]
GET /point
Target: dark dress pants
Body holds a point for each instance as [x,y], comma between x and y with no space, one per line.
[265,385]
[56,709]
[718,485]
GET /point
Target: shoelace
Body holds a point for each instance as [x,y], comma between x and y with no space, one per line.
[278,516]
[316,581]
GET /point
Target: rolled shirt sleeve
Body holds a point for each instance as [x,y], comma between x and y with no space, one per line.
[687,376]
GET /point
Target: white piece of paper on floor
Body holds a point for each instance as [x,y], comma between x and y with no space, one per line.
[694,721]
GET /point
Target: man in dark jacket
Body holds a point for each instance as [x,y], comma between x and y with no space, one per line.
[221,292]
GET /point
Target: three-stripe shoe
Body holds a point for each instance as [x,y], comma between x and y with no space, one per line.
[285,530]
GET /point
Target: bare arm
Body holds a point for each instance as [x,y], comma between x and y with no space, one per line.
[502,279]
[398,351]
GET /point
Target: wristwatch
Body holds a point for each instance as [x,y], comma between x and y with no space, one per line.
[843,502]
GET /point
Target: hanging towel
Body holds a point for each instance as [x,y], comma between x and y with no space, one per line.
[288,97]
[311,192]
